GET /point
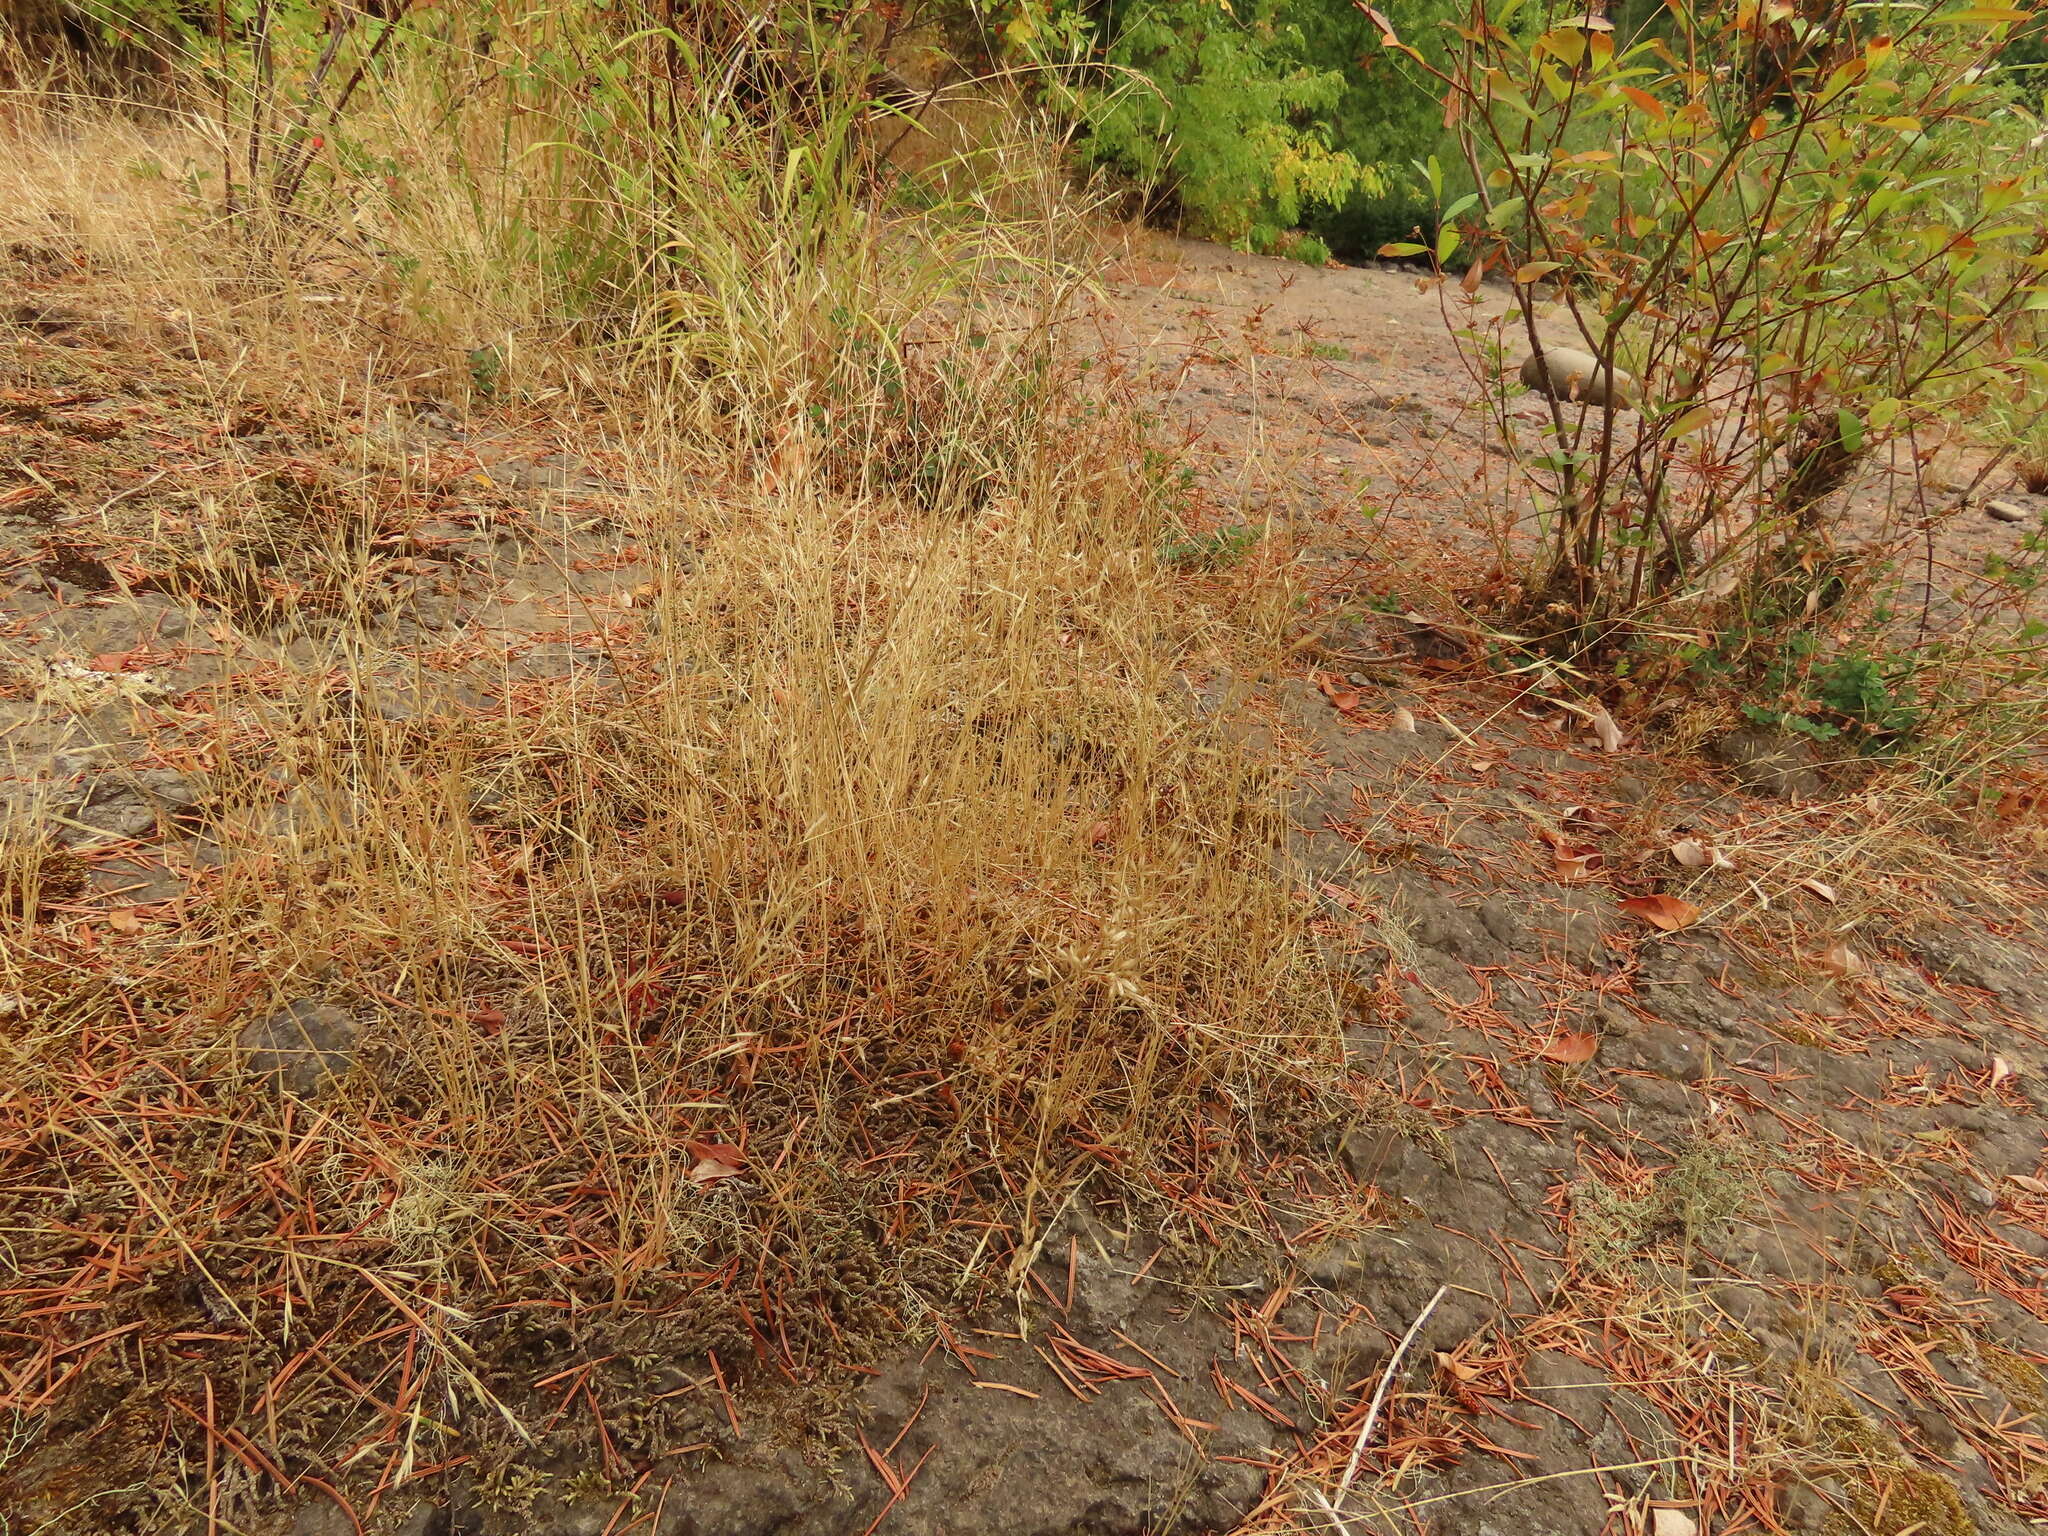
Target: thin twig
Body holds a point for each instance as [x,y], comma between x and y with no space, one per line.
[1379,1397]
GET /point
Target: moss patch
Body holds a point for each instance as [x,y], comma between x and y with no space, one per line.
[1889,1495]
[1911,1499]
[2017,1377]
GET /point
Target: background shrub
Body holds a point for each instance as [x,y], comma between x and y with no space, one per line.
[1219,115]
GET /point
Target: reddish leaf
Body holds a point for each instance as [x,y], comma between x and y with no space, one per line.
[1572,1049]
[1343,700]
[1667,914]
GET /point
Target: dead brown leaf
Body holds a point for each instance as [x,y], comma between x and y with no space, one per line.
[1667,914]
[1572,1049]
[1694,854]
[1577,865]
[1841,960]
[1605,731]
[715,1161]
[1574,862]
[1457,1368]
[1343,700]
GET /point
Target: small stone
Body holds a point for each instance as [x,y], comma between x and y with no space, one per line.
[1968,959]
[2006,512]
[321,1519]
[1934,1429]
[1499,919]
[302,1047]
[1370,1156]
[1566,373]
[1329,1269]
[118,813]
[422,1519]
[125,804]
[1576,926]
[1811,1507]
[1670,1053]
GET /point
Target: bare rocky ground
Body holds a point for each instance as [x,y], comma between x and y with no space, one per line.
[1335,398]
[1738,1226]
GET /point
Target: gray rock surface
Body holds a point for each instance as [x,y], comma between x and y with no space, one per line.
[302,1047]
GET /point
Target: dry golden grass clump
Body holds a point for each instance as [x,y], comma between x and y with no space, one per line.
[741,1001]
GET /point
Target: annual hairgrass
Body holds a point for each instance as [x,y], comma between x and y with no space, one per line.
[741,1009]
[1614,1224]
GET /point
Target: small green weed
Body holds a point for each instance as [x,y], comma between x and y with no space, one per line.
[1862,695]
[1217,551]
[1309,250]
[486,368]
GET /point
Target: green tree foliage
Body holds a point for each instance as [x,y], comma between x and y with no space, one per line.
[2024,62]
[1216,110]
[1244,117]
[1389,115]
